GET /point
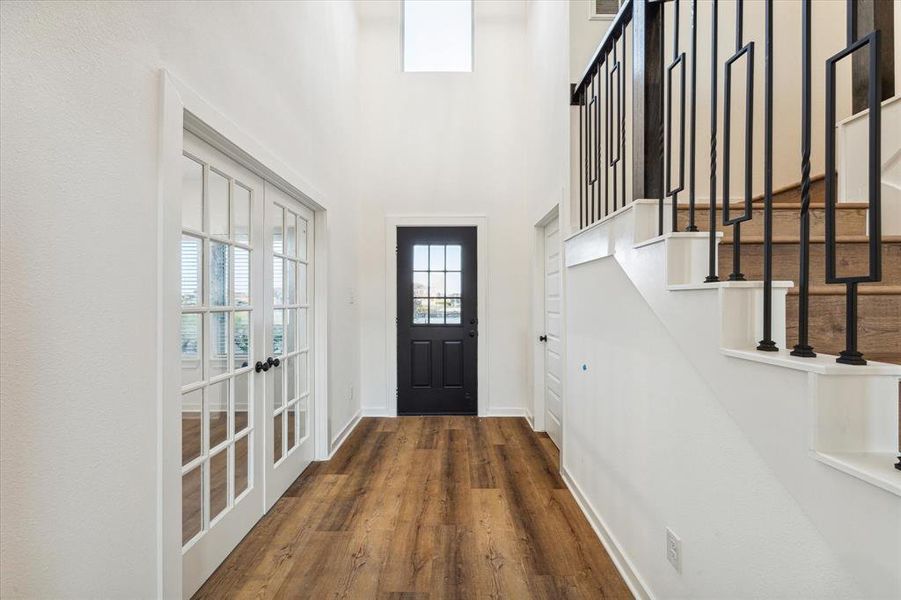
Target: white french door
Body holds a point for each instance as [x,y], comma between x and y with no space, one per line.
[246,385]
[222,323]
[289,340]
[553,387]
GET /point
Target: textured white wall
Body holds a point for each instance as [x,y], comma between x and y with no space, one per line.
[701,449]
[448,144]
[584,36]
[547,58]
[79,106]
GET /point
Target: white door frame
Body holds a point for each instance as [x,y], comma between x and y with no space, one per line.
[183,109]
[392,222]
[539,264]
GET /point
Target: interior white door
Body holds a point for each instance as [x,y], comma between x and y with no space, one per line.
[553,376]
[289,340]
[222,325]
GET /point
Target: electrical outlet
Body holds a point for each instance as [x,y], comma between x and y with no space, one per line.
[674,550]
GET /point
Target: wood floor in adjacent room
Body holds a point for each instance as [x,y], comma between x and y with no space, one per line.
[424,508]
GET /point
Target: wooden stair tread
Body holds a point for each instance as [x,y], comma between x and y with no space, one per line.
[782,206]
[842,239]
[839,290]
[885,357]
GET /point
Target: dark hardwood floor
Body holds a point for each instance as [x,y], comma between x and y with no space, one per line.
[425,507]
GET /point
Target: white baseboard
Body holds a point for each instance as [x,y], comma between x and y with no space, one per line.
[625,567]
[502,411]
[508,411]
[376,411]
[344,433]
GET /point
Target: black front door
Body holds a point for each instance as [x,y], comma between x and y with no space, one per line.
[437,328]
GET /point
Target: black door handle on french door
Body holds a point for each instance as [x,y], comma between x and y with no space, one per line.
[273,362]
[261,366]
[472,333]
[542,338]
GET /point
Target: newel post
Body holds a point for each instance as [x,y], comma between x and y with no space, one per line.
[866,16]
[647,101]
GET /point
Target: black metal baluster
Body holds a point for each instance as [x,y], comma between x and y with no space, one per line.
[582,172]
[712,274]
[597,146]
[606,135]
[693,108]
[622,117]
[851,355]
[660,158]
[613,90]
[740,50]
[767,344]
[803,348]
[589,189]
[678,60]
[593,146]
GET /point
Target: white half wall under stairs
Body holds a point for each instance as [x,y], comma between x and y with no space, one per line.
[775,471]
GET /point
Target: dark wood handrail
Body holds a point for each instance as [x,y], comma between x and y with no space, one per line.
[623,16]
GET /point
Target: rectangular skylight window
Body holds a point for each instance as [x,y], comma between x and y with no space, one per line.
[438,35]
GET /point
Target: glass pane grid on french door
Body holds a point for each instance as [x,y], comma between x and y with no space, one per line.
[217,394]
[290,331]
[437,284]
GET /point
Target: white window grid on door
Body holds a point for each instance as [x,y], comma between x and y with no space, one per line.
[232,344]
[291,321]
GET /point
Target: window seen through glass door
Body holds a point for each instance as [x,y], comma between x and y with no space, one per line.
[437,284]
[216,338]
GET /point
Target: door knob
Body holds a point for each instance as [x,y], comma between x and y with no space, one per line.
[542,338]
[273,362]
[472,333]
[261,366]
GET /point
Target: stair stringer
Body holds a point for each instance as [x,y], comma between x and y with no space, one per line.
[779,402]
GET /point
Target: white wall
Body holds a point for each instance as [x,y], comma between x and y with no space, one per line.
[716,448]
[584,36]
[79,106]
[547,155]
[448,144]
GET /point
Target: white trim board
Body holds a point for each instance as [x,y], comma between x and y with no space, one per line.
[508,411]
[539,264]
[378,411]
[392,222]
[182,109]
[630,575]
[345,433]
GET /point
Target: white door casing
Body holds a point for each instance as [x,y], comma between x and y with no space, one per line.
[182,109]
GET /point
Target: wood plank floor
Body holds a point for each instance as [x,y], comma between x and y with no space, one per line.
[424,508]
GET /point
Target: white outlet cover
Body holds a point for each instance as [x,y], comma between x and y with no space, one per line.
[674,550]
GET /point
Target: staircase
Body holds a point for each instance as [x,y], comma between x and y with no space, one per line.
[879,307]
